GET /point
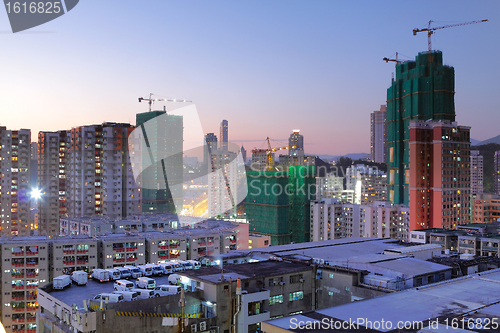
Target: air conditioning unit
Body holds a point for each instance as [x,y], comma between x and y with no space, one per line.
[203,326]
[282,283]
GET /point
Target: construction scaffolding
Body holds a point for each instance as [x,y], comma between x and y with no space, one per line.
[277,203]
[423,89]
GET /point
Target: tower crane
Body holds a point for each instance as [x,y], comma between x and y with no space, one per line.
[430,30]
[269,151]
[397,61]
[151,100]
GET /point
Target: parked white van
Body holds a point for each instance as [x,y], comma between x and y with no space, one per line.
[145,283]
[101,275]
[127,295]
[123,285]
[112,298]
[168,268]
[178,266]
[174,279]
[124,273]
[80,277]
[157,269]
[144,293]
[134,271]
[145,270]
[164,290]
[114,274]
[196,264]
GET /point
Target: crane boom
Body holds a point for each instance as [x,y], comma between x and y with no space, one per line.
[430,30]
[151,100]
[269,151]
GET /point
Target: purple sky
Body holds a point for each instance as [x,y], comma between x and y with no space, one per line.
[266,66]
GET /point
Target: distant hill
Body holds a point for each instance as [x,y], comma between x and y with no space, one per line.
[354,156]
[474,142]
[496,140]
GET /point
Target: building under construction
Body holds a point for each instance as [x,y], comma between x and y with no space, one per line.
[423,89]
[277,203]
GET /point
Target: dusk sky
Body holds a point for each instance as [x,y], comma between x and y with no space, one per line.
[266,66]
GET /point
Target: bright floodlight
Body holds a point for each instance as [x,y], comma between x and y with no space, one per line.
[36,193]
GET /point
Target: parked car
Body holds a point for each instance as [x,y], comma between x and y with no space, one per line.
[134,271]
[157,269]
[127,295]
[168,268]
[80,277]
[121,285]
[145,283]
[196,264]
[145,270]
[110,297]
[164,290]
[144,293]
[61,282]
[114,274]
[124,272]
[174,279]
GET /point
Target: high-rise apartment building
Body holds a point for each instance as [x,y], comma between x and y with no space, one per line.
[85,171]
[423,89]
[378,135]
[52,174]
[243,154]
[15,184]
[439,175]
[210,146]
[163,136]
[497,171]
[223,135]
[222,184]
[486,208]
[367,183]
[296,139]
[476,172]
[332,219]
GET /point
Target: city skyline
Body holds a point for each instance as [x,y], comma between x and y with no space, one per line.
[264,68]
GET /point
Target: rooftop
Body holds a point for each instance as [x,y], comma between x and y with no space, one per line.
[77,294]
[245,271]
[472,296]
[335,248]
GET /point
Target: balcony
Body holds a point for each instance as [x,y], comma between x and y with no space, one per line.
[18,254]
[119,249]
[31,320]
[32,286]
[18,309]
[163,247]
[118,260]
[468,246]
[67,263]
[81,262]
[72,251]
[31,253]
[131,249]
[174,246]
[131,259]
[82,251]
